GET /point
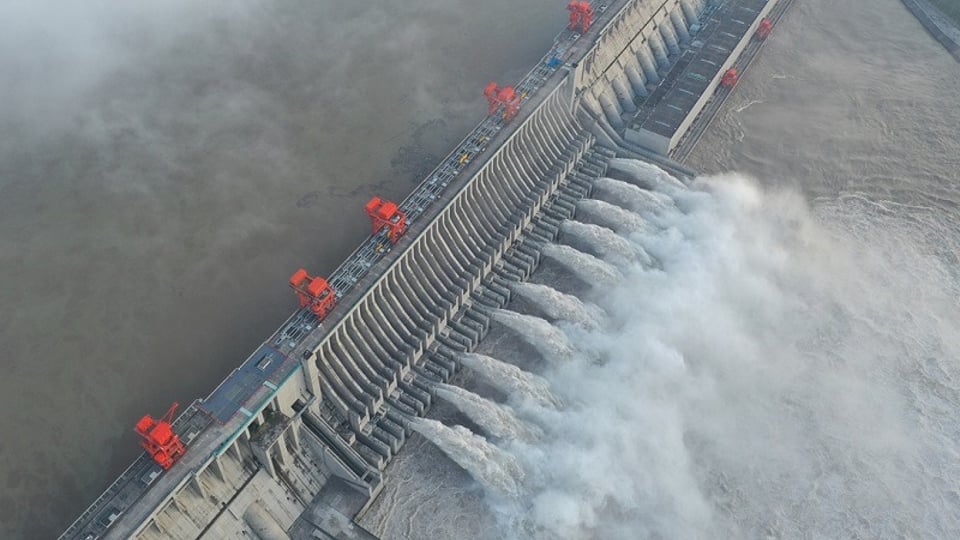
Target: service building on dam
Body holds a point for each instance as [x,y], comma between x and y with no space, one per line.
[296,442]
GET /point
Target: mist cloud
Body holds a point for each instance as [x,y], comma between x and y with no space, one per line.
[775,376]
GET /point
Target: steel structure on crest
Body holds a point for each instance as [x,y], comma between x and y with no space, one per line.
[342,280]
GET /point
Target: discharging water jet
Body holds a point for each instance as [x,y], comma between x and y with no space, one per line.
[649,176]
[561,306]
[497,420]
[646,202]
[549,340]
[585,266]
[605,243]
[495,469]
[509,378]
[613,217]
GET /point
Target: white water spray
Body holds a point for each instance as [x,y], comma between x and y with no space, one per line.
[497,420]
[774,380]
[613,217]
[561,306]
[517,383]
[549,340]
[644,201]
[604,243]
[489,465]
[648,176]
[585,266]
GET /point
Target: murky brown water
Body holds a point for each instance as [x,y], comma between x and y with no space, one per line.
[163,169]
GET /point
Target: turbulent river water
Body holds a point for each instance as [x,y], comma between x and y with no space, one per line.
[779,354]
[790,365]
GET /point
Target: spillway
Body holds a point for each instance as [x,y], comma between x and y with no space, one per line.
[514,381]
[296,440]
[496,420]
[604,243]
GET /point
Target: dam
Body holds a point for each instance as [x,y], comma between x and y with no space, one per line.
[295,442]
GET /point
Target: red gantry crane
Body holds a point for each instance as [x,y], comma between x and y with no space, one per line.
[766,26]
[159,440]
[730,78]
[506,96]
[581,16]
[386,214]
[314,293]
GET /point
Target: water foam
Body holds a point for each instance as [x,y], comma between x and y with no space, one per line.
[648,176]
[603,243]
[549,340]
[776,379]
[497,420]
[585,266]
[560,306]
[495,469]
[648,203]
[520,385]
[613,217]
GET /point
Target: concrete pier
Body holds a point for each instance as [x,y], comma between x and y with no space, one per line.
[680,25]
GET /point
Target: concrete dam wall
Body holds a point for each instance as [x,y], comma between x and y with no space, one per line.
[363,367]
[366,364]
[631,53]
[307,424]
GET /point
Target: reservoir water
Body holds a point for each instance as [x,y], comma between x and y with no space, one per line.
[165,167]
